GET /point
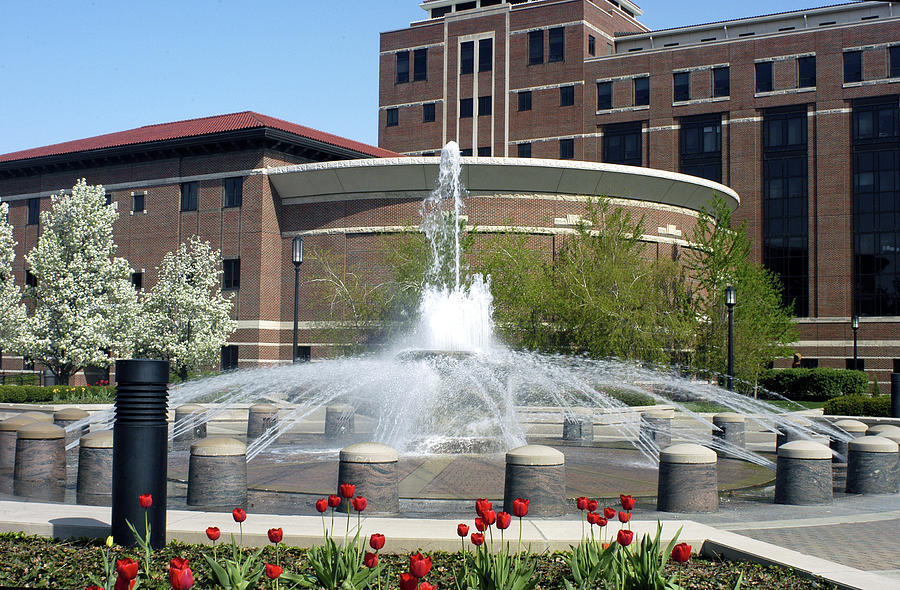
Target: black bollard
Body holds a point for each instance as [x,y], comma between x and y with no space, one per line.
[895,395]
[140,447]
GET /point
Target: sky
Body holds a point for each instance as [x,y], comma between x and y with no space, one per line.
[72,69]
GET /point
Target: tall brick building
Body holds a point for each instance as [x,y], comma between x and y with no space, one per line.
[797,112]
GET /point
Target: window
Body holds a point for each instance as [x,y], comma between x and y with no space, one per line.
[535,47]
[30,279]
[721,82]
[875,123]
[682,86]
[234,189]
[701,147]
[189,196]
[525,100]
[484,105]
[303,354]
[137,280]
[557,44]
[138,204]
[420,64]
[523,150]
[465,6]
[428,112]
[484,152]
[439,12]
[229,357]
[231,274]
[485,55]
[465,108]
[604,96]
[622,144]
[860,364]
[393,117]
[109,198]
[566,149]
[895,61]
[467,57]
[806,71]
[808,363]
[402,67]
[566,96]
[34,211]
[465,152]
[642,91]
[852,66]
[764,76]
[592,45]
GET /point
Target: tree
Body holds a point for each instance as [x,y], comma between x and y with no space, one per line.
[12,312]
[187,317]
[84,306]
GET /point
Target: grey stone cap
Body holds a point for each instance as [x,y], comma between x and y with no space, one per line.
[41,431]
[340,408]
[851,425]
[891,435]
[535,455]
[666,414]
[880,429]
[263,408]
[218,446]
[39,416]
[369,452]
[873,444]
[804,449]
[729,417]
[102,439]
[70,414]
[16,422]
[687,453]
[190,409]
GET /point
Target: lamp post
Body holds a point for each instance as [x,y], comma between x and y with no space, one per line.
[854,323]
[729,303]
[297,258]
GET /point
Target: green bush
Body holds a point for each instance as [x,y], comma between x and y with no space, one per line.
[859,405]
[25,394]
[631,398]
[814,384]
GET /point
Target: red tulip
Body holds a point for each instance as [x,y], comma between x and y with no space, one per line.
[593,518]
[359,503]
[592,505]
[581,503]
[625,538]
[376,541]
[479,524]
[93,588]
[178,563]
[681,552]
[477,539]
[347,490]
[626,501]
[462,530]
[276,535]
[624,516]
[426,586]
[482,505]
[609,512]
[127,568]
[370,560]
[408,581]
[419,565]
[145,500]
[273,571]
[334,501]
[180,575]
[503,520]
[124,584]
[602,522]
[322,504]
[489,517]
[520,507]
[239,515]
[213,533]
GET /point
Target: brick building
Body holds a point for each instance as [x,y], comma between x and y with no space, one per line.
[797,112]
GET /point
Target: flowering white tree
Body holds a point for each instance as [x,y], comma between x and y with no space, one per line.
[12,312]
[85,307]
[188,318]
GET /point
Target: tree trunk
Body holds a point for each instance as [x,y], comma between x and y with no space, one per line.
[183,373]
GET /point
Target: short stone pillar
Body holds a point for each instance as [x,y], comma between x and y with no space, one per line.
[8,430]
[217,473]
[882,429]
[66,416]
[803,474]
[786,434]
[42,417]
[372,468]
[731,430]
[40,469]
[95,453]
[688,479]
[854,428]
[578,427]
[260,418]
[339,420]
[186,434]
[872,466]
[536,473]
[656,427]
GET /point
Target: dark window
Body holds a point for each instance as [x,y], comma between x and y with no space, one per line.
[420,64]
[303,354]
[138,204]
[490,2]
[642,91]
[557,44]
[682,85]
[806,71]
[30,279]
[465,152]
[229,357]
[485,55]
[807,363]
[852,66]
[566,96]
[34,211]
[721,82]
[189,195]
[566,149]
[439,12]
[764,76]
[525,100]
[467,57]
[109,198]
[231,274]
[465,108]
[524,150]
[484,152]
[701,147]
[592,45]
[604,96]
[137,280]
[465,6]
[875,123]
[402,67]
[859,365]
[535,47]
[622,144]
[393,117]
[895,61]
[896,366]
[484,105]
[234,189]
[428,112]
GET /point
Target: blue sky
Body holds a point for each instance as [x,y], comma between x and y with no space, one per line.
[74,69]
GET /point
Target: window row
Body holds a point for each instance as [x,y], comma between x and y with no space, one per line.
[467,56]
[392,115]
[566,97]
[804,75]
[640,88]
[556,46]
[419,63]
[566,149]
[721,83]
[853,64]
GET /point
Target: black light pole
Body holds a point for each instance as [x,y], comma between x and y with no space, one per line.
[729,303]
[854,323]
[297,258]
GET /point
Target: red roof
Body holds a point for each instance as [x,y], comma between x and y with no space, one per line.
[192,128]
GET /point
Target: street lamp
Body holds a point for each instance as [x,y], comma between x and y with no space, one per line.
[854,323]
[729,303]
[297,258]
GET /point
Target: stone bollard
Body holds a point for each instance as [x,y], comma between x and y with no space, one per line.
[66,416]
[40,470]
[854,428]
[732,430]
[804,474]
[872,466]
[786,434]
[217,473]
[536,473]
[372,468]
[339,420]
[260,418]
[8,430]
[656,427]
[95,453]
[578,427]
[195,432]
[688,479]
[42,417]
[882,429]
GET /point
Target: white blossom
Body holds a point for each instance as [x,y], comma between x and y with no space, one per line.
[12,312]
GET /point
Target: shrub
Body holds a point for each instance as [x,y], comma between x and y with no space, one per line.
[24,394]
[814,384]
[631,398]
[859,405]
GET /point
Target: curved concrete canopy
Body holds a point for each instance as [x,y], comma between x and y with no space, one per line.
[335,181]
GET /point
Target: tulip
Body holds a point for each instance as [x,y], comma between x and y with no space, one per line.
[93,588]
[145,500]
[503,520]
[462,530]
[376,541]
[520,507]
[127,568]
[273,571]
[624,516]
[479,524]
[602,522]
[359,503]
[482,505]
[426,586]
[419,565]
[334,501]
[624,538]
[370,560]
[408,581]
[124,584]
[109,541]
[581,503]
[239,515]
[276,535]
[609,513]
[477,539]
[593,518]
[592,505]
[180,575]
[322,504]
[213,533]
[626,501]
[681,552]
[489,517]
[347,490]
